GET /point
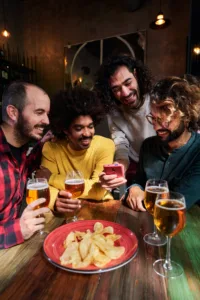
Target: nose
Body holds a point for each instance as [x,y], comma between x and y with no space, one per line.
[46,119]
[86,132]
[125,91]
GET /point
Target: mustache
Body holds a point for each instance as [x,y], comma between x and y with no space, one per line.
[41,126]
[163,130]
[133,93]
[85,138]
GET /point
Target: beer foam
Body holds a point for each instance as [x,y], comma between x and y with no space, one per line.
[154,189]
[181,207]
[37,186]
[74,181]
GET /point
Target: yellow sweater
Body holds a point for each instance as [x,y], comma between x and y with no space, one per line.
[59,158]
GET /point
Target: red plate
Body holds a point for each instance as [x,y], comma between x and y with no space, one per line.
[53,245]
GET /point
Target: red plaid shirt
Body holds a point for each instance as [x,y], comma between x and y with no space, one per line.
[13,178]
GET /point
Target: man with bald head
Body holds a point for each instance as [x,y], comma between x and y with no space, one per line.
[25,109]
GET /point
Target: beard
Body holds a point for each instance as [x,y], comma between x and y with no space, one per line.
[172,135]
[24,130]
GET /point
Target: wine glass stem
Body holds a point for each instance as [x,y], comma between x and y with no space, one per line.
[155,231]
[167,264]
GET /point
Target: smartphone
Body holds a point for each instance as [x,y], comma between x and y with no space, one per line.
[117,169]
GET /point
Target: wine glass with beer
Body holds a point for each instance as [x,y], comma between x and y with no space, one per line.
[155,188]
[35,189]
[74,184]
[169,218]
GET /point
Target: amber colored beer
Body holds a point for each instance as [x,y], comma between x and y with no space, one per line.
[169,216]
[151,195]
[38,190]
[75,187]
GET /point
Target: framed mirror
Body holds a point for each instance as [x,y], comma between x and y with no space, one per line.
[81,61]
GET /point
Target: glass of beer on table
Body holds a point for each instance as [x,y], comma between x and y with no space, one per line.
[154,189]
[74,184]
[35,189]
[169,218]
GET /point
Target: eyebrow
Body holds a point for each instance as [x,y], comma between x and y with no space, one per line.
[124,82]
[80,125]
[39,110]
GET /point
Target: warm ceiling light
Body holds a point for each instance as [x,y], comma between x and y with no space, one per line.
[160,19]
[5,33]
[160,22]
[196,50]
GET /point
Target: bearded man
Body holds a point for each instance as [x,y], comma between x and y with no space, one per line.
[25,109]
[124,85]
[174,154]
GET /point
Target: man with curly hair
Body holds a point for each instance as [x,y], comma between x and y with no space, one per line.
[73,116]
[174,154]
[124,84]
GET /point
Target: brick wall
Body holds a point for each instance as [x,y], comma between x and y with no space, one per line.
[49,25]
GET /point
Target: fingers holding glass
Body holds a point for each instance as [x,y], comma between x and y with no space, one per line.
[74,184]
[38,188]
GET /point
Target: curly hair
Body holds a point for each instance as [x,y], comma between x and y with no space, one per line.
[185,94]
[68,105]
[107,69]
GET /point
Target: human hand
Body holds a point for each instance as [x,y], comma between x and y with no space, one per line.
[135,198]
[48,137]
[111,181]
[29,222]
[43,172]
[64,203]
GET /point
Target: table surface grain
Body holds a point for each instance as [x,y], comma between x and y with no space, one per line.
[26,274]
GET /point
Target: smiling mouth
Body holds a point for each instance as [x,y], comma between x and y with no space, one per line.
[129,100]
[41,129]
[162,133]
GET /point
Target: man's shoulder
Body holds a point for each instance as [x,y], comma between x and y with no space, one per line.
[197,138]
[102,142]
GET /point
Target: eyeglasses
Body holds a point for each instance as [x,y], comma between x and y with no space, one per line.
[152,120]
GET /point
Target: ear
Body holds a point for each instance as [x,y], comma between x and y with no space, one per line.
[12,112]
[66,132]
[135,73]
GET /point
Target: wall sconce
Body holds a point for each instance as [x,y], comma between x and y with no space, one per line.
[196,50]
[160,22]
[5,33]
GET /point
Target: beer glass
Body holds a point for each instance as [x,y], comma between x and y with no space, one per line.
[35,189]
[155,188]
[74,184]
[169,218]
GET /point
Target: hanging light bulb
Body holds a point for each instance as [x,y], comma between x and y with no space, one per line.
[196,50]
[5,33]
[160,22]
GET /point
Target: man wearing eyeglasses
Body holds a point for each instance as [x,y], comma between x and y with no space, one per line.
[124,84]
[174,154]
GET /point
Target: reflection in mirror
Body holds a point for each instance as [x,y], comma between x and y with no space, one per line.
[82,61]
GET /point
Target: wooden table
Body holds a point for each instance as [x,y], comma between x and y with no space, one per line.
[26,274]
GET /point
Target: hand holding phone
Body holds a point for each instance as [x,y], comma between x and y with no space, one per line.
[117,169]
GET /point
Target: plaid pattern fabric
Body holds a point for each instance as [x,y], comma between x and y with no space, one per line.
[12,185]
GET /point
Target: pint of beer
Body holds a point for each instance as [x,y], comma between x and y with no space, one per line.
[152,193]
[169,216]
[75,187]
[37,188]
